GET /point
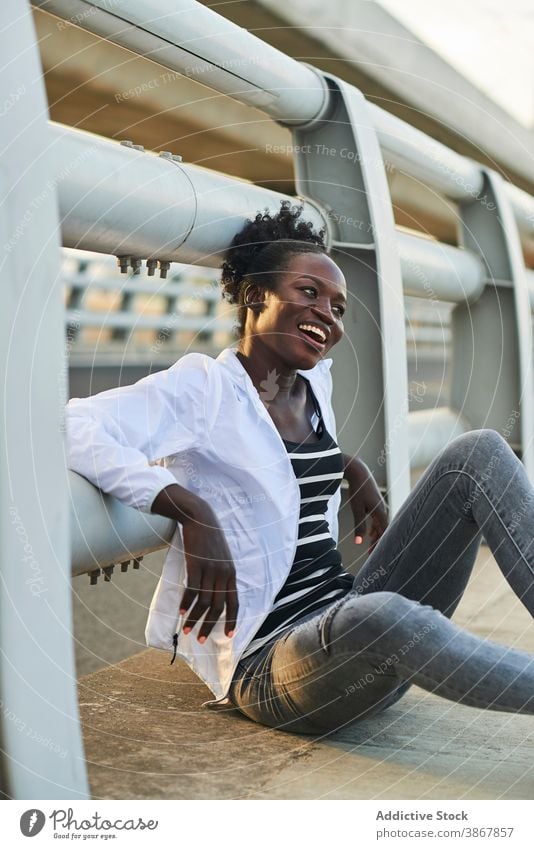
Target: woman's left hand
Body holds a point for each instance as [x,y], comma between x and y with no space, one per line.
[365,501]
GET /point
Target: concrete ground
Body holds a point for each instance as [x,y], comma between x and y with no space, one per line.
[147,736]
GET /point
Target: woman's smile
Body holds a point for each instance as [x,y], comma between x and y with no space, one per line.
[318,332]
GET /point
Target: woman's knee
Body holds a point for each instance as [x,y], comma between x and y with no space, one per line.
[372,621]
[476,447]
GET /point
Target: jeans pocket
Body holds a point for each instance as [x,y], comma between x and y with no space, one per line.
[324,623]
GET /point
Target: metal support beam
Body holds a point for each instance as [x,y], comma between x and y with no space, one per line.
[491,381]
[340,166]
[41,745]
[529,276]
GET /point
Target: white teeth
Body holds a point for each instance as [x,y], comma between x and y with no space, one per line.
[313,329]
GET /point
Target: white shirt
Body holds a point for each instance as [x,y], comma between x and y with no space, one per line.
[205,417]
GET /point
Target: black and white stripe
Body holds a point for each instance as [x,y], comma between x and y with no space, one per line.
[317,574]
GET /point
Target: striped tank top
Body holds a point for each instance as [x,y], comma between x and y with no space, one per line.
[316,576]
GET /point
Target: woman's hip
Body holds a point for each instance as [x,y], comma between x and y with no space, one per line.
[320,675]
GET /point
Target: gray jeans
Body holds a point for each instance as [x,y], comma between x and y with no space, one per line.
[357,656]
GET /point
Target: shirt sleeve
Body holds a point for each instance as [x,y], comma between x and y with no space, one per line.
[112,437]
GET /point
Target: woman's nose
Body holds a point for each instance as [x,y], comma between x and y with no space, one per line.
[324,310]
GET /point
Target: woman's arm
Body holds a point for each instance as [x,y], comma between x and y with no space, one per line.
[365,500]
[211,579]
[111,439]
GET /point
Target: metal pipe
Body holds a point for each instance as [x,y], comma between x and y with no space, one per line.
[100,525]
[121,201]
[437,271]
[523,209]
[195,41]
[430,431]
[413,152]
[185,213]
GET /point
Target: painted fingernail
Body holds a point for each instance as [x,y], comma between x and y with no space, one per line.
[187,630]
[358,540]
[230,633]
[182,611]
[202,639]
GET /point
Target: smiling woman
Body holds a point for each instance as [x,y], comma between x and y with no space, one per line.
[262,249]
[289,290]
[253,594]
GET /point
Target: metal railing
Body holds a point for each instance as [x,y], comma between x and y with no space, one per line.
[122,201]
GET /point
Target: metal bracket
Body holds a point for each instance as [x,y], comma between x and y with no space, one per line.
[93,576]
[107,571]
[128,143]
[125,262]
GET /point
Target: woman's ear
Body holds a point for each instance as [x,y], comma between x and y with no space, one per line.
[254,297]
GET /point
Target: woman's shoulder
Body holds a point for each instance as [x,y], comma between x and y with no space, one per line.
[196,379]
[193,361]
[190,377]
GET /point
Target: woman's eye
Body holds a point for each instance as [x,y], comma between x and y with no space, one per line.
[340,311]
[309,289]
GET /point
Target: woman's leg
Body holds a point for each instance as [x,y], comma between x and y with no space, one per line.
[347,663]
[360,654]
[475,485]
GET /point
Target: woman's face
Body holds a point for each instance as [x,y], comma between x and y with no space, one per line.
[302,319]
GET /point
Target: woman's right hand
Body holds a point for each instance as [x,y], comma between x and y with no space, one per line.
[211,578]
